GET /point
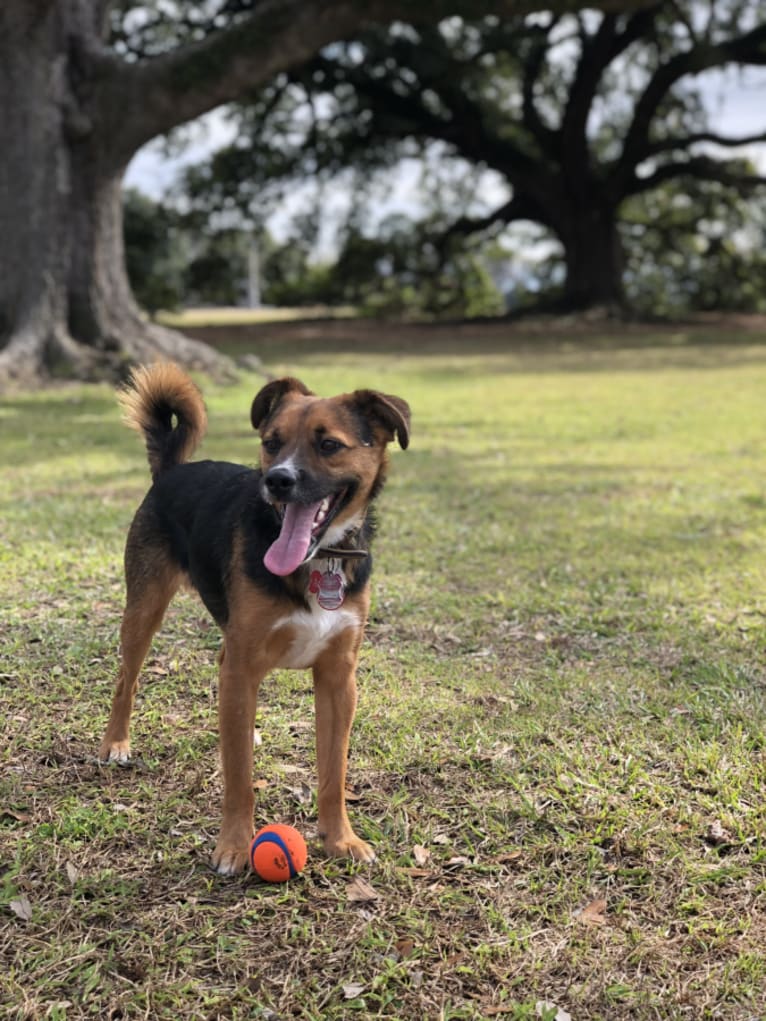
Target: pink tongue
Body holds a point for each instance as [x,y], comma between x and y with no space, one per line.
[289,551]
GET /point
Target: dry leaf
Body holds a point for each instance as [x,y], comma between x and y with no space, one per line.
[594,913]
[415,873]
[360,892]
[504,859]
[420,854]
[72,872]
[22,907]
[260,785]
[353,989]
[404,948]
[9,813]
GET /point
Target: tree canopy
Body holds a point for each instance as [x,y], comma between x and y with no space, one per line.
[582,115]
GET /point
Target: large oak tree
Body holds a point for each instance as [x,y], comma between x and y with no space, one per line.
[74,110]
[578,113]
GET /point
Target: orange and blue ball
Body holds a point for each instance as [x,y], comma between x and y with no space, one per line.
[278,853]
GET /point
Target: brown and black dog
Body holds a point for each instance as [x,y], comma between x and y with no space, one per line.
[280,557]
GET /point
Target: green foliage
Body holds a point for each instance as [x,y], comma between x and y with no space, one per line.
[695,246]
[217,273]
[154,252]
[173,259]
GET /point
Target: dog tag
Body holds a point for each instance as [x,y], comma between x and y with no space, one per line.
[329,588]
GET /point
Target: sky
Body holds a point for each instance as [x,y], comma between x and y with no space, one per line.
[735,99]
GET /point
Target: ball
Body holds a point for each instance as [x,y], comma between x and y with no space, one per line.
[277,853]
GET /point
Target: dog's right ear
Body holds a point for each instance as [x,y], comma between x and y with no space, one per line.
[266,400]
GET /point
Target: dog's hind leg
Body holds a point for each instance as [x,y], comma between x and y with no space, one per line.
[152,583]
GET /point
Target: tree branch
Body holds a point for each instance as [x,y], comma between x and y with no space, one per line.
[520,207]
[747,48]
[597,53]
[139,101]
[685,141]
[701,168]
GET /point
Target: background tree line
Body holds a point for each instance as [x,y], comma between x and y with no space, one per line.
[592,122]
[590,119]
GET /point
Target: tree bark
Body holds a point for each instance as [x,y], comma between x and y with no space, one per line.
[594,260]
[65,303]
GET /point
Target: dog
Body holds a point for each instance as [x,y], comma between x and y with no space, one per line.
[280,556]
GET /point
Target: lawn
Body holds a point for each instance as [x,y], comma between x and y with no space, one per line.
[559,750]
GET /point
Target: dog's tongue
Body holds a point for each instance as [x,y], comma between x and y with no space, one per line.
[289,550]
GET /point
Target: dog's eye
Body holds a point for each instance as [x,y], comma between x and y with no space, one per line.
[272,444]
[330,446]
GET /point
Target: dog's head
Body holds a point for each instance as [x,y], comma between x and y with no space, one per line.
[323,460]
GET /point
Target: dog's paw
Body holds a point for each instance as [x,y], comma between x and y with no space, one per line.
[115,751]
[230,861]
[349,847]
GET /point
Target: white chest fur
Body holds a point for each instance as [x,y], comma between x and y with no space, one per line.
[312,630]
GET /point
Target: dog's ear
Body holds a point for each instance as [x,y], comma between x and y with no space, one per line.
[392,413]
[266,400]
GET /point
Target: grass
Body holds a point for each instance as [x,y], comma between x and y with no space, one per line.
[559,751]
[234,316]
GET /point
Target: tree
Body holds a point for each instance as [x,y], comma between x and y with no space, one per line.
[154,253]
[84,84]
[694,246]
[580,114]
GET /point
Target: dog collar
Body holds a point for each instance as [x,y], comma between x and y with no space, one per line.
[336,553]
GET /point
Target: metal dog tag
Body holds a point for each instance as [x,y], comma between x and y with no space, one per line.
[329,587]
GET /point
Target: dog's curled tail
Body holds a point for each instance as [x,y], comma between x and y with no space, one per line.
[153,397]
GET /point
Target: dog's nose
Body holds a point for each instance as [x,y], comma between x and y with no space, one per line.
[281,481]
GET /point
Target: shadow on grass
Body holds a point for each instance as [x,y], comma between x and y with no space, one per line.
[543,347]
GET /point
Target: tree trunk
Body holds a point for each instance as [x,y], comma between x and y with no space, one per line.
[65,303]
[594,259]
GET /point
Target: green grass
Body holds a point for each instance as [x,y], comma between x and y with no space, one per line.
[562,702]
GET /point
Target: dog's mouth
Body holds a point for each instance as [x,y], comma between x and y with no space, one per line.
[303,525]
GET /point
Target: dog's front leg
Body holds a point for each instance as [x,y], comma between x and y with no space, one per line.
[239,681]
[335,701]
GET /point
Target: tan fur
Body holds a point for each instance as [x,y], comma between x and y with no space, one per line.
[166,383]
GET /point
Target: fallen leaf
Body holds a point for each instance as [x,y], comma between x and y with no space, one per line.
[260,785]
[404,948]
[360,892]
[22,907]
[593,913]
[415,873]
[353,989]
[420,854]
[503,859]
[10,813]
[72,872]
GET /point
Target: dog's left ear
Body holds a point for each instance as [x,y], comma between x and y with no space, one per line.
[266,400]
[392,413]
